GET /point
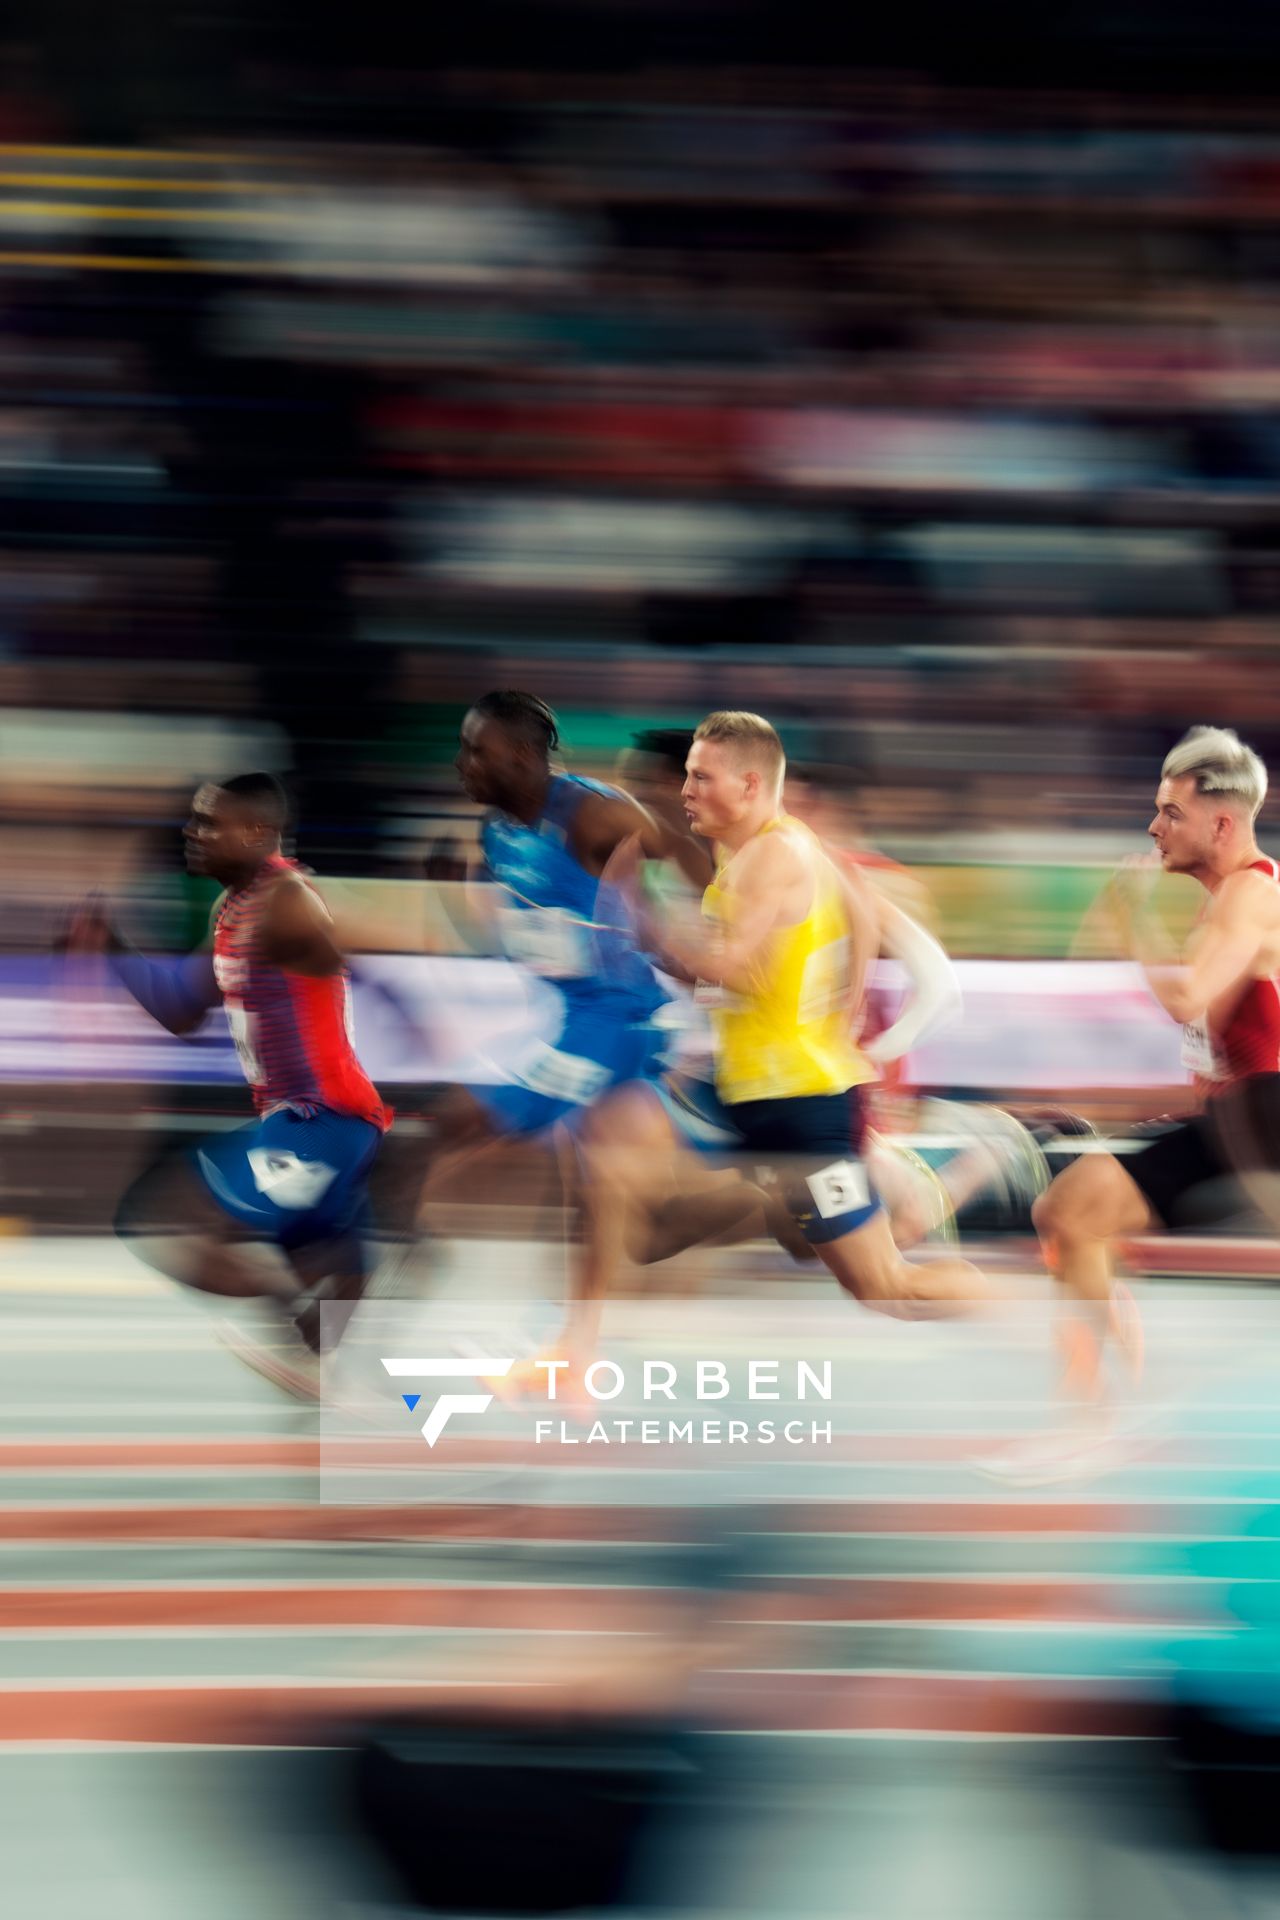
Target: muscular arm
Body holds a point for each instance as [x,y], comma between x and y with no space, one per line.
[297,931]
[605,823]
[1225,956]
[176,993]
[766,879]
[685,851]
[615,837]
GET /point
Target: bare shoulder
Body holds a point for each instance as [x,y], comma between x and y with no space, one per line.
[1249,894]
[604,820]
[290,885]
[293,898]
[770,860]
[612,812]
[297,928]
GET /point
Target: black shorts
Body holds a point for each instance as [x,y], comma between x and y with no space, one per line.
[810,1126]
[1238,1132]
[826,1187]
[805,1138]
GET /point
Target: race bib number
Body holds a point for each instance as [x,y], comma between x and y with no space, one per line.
[1198,1054]
[241,1025]
[840,1188]
[231,974]
[563,1076]
[546,940]
[288,1181]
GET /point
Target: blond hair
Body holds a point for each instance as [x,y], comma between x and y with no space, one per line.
[1219,762]
[754,741]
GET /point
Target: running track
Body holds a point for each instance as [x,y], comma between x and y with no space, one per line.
[169,1575]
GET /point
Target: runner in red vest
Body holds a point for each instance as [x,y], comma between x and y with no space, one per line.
[1224,992]
[296,1177]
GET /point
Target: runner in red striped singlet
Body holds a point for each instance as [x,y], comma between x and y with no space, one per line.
[296,1177]
[1224,992]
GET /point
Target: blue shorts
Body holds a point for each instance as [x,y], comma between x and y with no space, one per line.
[808,1139]
[593,1053]
[292,1177]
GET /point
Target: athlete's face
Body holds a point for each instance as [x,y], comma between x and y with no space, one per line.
[653,781]
[221,839]
[718,791]
[1186,825]
[488,760]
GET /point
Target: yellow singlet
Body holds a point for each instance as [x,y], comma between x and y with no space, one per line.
[788,1033]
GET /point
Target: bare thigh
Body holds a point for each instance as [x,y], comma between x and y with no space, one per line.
[1092,1199]
[869,1266]
[168,1219]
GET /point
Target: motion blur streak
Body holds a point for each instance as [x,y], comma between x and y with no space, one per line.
[907,377]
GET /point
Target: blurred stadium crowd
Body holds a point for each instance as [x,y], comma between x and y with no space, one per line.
[936,423]
[911,378]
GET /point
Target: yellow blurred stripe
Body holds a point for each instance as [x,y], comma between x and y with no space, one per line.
[146,263]
[128,263]
[143,156]
[101,183]
[75,209]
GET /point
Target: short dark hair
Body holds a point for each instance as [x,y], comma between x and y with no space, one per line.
[669,744]
[529,718]
[264,793]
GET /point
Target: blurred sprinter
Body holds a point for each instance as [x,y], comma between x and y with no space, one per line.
[780,951]
[1225,993]
[296,1177]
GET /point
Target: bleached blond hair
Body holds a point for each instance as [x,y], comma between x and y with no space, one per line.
[1219,762]
[754,741]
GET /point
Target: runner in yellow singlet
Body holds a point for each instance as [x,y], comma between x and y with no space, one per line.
[780,952]
[786,1034]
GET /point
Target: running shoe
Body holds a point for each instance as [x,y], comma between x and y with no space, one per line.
[1081,1450]
[272,1346]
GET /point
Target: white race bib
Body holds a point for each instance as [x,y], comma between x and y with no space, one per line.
[241,1024]
[546,940]
[1198,1055]
[289,1181]
[562,1076]
[840,1188]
